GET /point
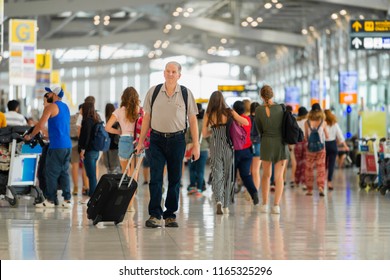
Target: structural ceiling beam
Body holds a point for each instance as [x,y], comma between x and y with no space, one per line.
[53,7]
[261,35]
[140,37]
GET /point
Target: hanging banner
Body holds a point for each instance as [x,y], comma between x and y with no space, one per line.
[315,93]
[22,45]
[348,84]
[43,66]
[291,97]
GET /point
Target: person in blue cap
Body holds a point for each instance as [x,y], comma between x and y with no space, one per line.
[57,115]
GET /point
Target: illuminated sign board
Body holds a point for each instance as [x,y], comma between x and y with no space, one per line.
[291,97]
[369,35]
[348,83]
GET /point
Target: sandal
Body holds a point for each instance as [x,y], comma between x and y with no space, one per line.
[85,191]
[321,191]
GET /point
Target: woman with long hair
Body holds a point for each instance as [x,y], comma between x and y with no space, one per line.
[87,153]
[315,121]
[268,119]
[221,152]
[126,115]
[335,136]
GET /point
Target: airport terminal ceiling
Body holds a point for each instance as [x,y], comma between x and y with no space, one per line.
[248,32]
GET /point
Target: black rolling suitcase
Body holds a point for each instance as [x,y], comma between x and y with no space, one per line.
[112,196]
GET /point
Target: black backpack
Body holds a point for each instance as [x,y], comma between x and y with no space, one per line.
[101,140]
[291,132]
[183,92]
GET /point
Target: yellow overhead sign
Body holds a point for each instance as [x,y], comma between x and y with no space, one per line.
[231,88]
[43,61]
[23,31]
[370,26]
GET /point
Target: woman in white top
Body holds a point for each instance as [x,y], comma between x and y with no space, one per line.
[126,115]
[335,136]
[315,120]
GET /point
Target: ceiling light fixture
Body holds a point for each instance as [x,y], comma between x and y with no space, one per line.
[268,6]
[343,12]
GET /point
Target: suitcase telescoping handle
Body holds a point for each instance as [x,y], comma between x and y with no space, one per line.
[136,170]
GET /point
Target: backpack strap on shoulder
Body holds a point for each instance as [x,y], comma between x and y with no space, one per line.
[184,92]
[308,123]
[320,124]
[154,96]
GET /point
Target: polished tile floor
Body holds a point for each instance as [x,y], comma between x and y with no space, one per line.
[347,224]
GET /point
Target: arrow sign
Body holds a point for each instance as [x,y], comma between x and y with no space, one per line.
[357,42]
[357,25]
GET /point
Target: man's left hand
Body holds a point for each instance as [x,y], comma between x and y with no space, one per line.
[196,151]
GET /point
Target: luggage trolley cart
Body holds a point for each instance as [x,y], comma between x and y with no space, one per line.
[368,172]
[19,178]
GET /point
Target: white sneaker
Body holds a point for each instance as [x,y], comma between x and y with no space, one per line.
[45,204]
[225,210]
[275,209]
[264,208]
[67,204]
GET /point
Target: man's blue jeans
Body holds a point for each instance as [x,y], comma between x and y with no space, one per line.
[90,159]
[56,169]
[170,151]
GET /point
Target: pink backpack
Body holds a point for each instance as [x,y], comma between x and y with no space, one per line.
[237,134]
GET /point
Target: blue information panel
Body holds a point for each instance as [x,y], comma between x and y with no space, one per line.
[348,83]
[315,91]
[292,96]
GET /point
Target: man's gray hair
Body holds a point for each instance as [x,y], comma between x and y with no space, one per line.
[174,63]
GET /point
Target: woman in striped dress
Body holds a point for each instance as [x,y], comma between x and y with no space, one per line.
[221,153]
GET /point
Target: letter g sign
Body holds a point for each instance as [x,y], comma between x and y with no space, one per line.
[23,32]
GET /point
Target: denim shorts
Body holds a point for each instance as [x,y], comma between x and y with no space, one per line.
[256,150]
[125,147]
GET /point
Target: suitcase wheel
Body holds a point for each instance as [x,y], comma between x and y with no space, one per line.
[98,219]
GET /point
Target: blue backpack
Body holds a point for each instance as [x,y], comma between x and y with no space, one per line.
[314,143]
[101,140]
